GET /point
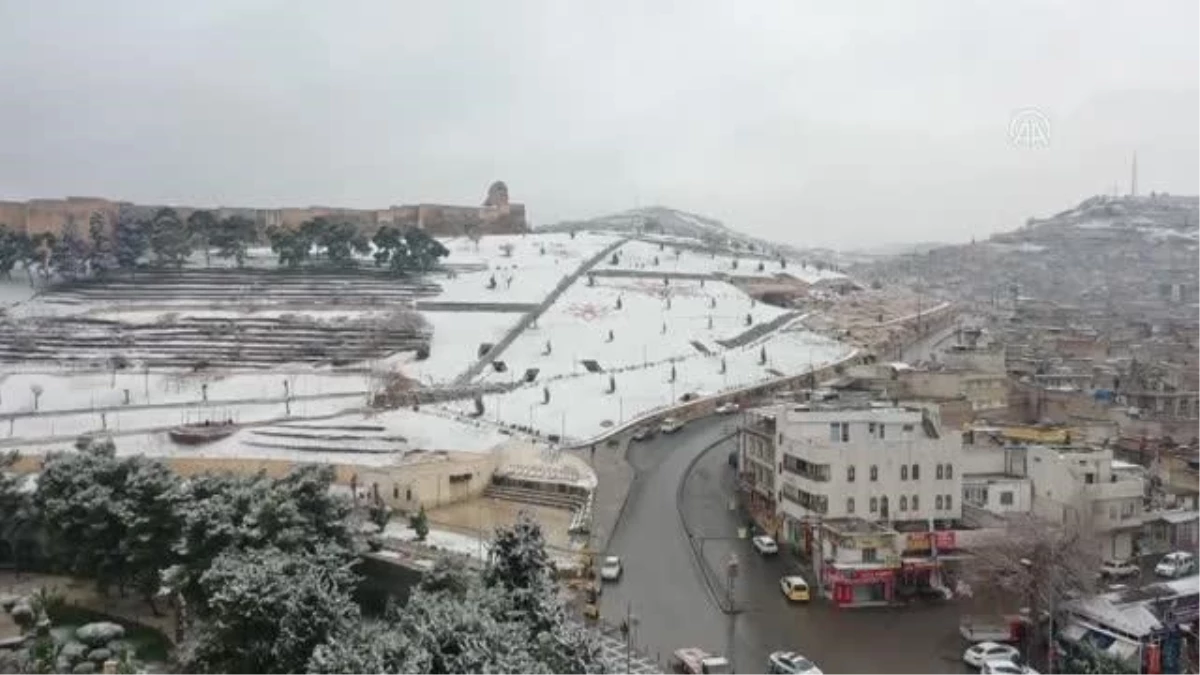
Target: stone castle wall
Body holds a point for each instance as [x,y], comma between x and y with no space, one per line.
[496,216]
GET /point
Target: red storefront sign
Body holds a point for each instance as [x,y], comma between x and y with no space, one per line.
[920,541]
[872,576]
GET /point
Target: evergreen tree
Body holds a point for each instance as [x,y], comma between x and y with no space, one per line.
[102,256]
[131,240]
[69,255]
[232,237]
[201,227]
[10,250]
[170,239]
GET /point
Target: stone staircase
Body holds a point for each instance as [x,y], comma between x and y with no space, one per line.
[761,330]
[554,500]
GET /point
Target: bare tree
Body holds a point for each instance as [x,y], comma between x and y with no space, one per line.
[1036,563]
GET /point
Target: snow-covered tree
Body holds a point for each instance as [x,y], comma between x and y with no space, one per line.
[170,239]
[268,610]
[102,256]
[69,255]
[130,242]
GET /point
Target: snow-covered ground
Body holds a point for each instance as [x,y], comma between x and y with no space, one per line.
[67,390]
[455,344]
[533,274]
[580,407]
[15,290]
[577,326]
[641,256]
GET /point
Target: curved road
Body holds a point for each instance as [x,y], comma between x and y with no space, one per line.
[665,587]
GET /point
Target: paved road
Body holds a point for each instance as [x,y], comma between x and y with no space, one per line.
[666,589]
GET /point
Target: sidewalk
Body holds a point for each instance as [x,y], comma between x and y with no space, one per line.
[614,476]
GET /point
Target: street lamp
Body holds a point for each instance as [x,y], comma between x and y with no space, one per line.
[731,572]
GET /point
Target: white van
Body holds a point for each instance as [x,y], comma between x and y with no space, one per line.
[1176,564]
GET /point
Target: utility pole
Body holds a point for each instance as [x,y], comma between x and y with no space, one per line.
[731,572]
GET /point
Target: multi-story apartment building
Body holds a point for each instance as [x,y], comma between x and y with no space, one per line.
[858,486]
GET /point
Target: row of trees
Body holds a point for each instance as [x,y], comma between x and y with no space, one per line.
[262,572]
[401,251]
[165,238]
[168,240]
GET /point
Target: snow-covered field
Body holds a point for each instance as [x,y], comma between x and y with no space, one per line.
[66,390]
[455,346]
[578,325]
[640,355]
[527,275]
[647,256]
[580,407]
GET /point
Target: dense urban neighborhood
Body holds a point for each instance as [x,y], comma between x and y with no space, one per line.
[624,445]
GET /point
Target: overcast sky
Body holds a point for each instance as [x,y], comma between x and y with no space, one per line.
[816,123]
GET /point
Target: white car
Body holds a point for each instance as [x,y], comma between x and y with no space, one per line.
[671,425]
[1119,569]
[728,408]
[1005,667]
[765,545]
[611,569]
[980,653]
[791,663]
[1176,564]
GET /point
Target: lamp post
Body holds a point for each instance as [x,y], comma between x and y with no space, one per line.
[731,572]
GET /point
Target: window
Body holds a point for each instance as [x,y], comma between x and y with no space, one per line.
[881,428]
[903,472]
[1089,478]
[874,473]
[907,428]
[1006,498]
[940,474]
[869,556]
[883,506]
[835,431]
[949,502]
[903,503]
[849,504]
[850,474]
[874,504]
[845,432]
[916,472]
[915,502]
[937,502]
[949,471]
[871,428]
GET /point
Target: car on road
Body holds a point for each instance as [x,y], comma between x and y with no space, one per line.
[670,425]
[795,588]
[697,661]
[612,569]
[728,408]
[1119,569]
[978,654]
[764,545]
[791,663]
[1176,564]
[644,433]
[1005,667]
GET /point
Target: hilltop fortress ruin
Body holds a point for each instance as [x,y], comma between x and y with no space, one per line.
[495,216]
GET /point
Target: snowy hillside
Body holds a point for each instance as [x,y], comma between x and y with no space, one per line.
[653,220]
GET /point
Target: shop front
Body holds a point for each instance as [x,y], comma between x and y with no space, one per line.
[850,587]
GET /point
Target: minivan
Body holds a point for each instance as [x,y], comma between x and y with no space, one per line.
[1176,564]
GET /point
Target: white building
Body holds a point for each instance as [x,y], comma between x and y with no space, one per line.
[1075,486]
[880,464]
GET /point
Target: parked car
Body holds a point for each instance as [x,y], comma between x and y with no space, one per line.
[978,654]
[1119,569]
[1176,564]
[671,425]
[765,545]
[791,663]
[644,433]
[728,408]
[794,588]
[1005,667]
[612,569]
[697,661]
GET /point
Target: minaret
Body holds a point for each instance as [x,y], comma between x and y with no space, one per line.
[1133,177]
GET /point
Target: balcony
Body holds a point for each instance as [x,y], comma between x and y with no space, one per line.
[1122,489]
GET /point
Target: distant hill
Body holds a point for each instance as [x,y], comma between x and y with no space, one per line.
[1106,251]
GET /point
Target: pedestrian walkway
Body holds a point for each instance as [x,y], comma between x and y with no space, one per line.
[613,479]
